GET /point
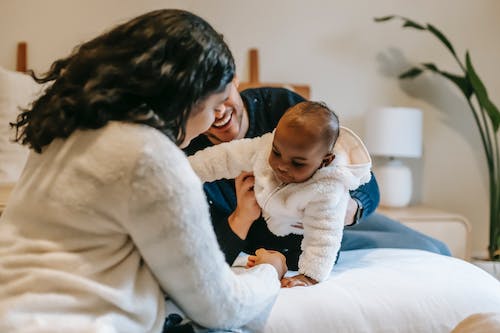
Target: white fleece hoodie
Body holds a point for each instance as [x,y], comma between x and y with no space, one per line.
[319,204]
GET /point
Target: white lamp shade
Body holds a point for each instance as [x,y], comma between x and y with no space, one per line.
[394,132]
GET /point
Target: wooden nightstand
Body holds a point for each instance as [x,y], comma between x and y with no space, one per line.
[450,228]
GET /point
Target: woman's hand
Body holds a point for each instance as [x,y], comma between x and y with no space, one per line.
[275,258]
[297,281]
[247,209]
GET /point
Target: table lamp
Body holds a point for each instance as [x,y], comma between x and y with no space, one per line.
[394,133]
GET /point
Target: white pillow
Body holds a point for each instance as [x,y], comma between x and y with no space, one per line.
[17,90]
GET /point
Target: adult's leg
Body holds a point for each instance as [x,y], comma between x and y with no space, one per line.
[379,231]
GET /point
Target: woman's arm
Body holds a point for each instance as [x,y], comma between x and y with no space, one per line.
[170,225]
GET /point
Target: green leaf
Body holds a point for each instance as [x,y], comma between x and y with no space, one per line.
[411,73]
[383,19]
[441,37]
[482,94]
[431,67]
[407,22]
[412,24]
[460,81]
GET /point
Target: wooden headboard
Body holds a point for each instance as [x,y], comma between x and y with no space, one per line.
[254,81]
[22,57]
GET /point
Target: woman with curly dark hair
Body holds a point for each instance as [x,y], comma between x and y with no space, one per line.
[108,216]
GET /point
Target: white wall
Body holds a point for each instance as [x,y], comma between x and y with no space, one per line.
[349,61]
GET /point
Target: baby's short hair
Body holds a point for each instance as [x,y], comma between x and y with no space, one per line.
[318,115]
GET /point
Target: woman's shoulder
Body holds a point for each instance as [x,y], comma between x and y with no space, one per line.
[155,165]
[122,138]
[146,145]
[123,147]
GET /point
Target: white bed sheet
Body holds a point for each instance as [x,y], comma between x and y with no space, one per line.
[387,290]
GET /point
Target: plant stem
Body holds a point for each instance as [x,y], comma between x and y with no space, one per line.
[489,134]
[495,204]
[490,144]
[483,131]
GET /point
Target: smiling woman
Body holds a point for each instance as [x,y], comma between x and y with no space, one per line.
[107,189]
[204,114]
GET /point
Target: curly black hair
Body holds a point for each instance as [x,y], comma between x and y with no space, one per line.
[152,69]
[318,116]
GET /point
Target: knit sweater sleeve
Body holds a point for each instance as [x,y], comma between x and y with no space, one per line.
[225,160]
[170,225]
[323,225]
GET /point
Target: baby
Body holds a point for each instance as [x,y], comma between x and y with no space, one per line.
[303,173]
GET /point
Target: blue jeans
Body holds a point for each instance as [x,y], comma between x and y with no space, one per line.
[379,231]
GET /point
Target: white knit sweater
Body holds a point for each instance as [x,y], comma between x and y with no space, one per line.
[319,204]
[100,224]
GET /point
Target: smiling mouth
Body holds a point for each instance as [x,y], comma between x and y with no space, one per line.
[224,121]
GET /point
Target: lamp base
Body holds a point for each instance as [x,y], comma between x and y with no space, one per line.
[395,184]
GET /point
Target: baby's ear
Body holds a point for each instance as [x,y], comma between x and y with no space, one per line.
[328,159]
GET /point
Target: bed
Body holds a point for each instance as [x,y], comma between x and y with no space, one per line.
[379,290]
[387,290]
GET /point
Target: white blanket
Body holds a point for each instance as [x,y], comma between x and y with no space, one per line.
[387,290]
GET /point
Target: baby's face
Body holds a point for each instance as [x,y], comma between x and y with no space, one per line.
[297,153]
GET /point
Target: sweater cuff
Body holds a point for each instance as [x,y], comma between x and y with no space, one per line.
[318,270]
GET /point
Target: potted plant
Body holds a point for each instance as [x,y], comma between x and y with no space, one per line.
[486,116]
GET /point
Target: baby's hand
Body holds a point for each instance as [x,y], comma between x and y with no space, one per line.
[297,281]
[275,258]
